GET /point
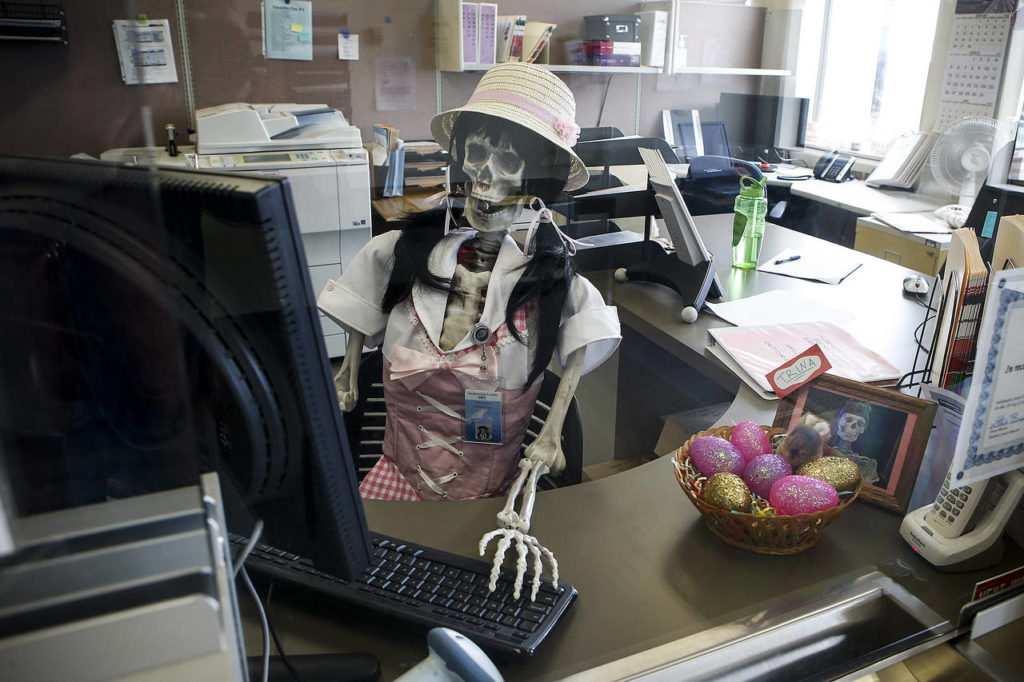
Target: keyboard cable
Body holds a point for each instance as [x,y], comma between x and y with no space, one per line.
[240,571]
[273,634]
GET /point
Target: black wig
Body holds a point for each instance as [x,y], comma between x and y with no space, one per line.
[546,276]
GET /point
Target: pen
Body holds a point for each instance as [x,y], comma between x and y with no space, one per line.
[786,260]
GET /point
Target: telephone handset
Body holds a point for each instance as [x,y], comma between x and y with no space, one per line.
[961,530]
[834,167]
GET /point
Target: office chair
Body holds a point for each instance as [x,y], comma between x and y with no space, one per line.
[622,151]
[598,133]
[365,424]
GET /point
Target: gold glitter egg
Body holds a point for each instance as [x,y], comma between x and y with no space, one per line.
[839,472]
[727,491]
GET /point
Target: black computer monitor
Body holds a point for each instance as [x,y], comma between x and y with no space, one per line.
[158,323]
[762,126]
[679,132]
[715,141]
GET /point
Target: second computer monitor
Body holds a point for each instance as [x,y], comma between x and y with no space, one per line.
[763,127]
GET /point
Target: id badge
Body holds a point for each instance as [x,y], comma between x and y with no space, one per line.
[483,416]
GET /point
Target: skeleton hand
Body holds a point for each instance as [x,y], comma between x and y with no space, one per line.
[514,527]
[346,381]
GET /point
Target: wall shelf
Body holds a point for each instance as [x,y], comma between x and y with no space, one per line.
[733,71]
[581,68]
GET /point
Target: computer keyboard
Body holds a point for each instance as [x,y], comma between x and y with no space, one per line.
[432,588]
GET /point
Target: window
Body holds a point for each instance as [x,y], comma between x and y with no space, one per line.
[869,84]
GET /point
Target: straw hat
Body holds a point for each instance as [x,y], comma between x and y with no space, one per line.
[531,96]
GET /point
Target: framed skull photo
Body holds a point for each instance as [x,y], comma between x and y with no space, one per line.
[882,430]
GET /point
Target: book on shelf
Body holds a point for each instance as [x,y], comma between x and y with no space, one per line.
[752,352]
[964,286]
[386,136]
[535,39]
[511,28]
[903,162]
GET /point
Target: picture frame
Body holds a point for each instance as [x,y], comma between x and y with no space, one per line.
[884,431]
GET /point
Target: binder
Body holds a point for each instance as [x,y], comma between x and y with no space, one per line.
[479,33]
[964,287]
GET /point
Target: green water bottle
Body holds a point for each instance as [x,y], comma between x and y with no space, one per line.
[748,223]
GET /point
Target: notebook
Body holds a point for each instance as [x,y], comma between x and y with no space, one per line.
[753,352]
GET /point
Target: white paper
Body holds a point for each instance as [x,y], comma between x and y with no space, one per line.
[991,441]
[830,269]
[288,29]
[395,84]
[772,306]
[145,51]
[348,46]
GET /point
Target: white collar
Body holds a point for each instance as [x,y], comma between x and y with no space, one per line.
[430,303]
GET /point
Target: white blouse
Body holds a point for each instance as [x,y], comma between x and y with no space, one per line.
[353,301]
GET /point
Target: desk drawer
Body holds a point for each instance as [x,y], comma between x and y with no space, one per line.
[923,257]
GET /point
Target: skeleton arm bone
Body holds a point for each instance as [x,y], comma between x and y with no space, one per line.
[346,381]
[548,445]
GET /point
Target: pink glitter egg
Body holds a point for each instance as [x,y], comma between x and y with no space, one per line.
[762,472]
[751,440]
[711,455]
[802,495]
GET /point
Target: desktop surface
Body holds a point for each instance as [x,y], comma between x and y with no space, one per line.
[647,569]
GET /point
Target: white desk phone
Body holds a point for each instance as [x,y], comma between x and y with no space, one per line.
[962,529]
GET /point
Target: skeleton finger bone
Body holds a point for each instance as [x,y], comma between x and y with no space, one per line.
[524,543]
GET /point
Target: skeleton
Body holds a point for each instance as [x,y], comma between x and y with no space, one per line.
[851,423]
[494,200]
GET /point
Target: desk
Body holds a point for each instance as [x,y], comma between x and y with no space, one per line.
[648,570]
[857,197]
[830,209]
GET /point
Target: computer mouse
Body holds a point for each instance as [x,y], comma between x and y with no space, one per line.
[915,284]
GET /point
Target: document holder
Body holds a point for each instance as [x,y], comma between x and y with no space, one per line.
[694,283]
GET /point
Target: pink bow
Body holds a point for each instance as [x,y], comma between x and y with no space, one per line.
[412,368]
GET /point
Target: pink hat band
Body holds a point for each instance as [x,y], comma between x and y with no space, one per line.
[565,128]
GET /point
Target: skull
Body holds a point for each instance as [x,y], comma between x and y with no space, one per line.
[494,196]
[850,426]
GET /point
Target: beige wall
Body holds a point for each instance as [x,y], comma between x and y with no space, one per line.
[60,100]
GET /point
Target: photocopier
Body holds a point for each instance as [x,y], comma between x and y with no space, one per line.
[322,156]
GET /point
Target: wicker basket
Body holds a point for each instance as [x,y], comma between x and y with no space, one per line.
[765,534]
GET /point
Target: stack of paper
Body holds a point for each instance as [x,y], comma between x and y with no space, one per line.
[753,352]
[917,223]
[903,161]
[963,294]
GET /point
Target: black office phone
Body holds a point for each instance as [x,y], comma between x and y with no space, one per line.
[834,167]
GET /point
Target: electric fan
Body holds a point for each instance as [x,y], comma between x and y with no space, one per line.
[962,155]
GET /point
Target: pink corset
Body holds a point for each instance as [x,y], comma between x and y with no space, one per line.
[424,438]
